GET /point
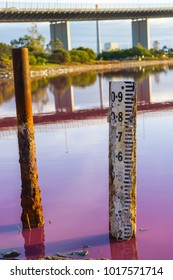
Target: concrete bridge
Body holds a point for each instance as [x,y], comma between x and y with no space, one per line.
[60,14]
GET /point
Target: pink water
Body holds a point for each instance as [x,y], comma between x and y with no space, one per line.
[73,177]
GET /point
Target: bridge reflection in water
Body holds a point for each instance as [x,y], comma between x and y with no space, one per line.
[66,111]
[68,116]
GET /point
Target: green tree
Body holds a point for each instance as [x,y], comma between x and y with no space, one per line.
[14,43]
[5,55]
[5,49]
[132,53]
[34,41]
[60,56]
[41,60]
[79,56]
[32,59]
[54,45]
[92,55]
[139,50]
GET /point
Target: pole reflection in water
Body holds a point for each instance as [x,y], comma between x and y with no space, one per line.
[144,91]
[34,243]
[101,89]
[124,250]
[65,102]
[59,239]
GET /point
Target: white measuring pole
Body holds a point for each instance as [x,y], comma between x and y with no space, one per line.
[122,159]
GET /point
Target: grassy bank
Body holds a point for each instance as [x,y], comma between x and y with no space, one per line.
[98,66]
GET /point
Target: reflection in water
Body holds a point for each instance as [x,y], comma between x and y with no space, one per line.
[152,243]
[144,91]
[65,103]
[40,98]
[69,93]
[84,79]
[137,73]
[62,88]
[59,85]
[124,250]
[34,243]
[6,91]
[101,89]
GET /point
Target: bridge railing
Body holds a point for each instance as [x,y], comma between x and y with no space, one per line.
[13,5]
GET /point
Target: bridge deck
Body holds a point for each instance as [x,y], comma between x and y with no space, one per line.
[52,12]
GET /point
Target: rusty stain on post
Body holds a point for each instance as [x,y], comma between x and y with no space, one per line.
[30,195]
[122,160]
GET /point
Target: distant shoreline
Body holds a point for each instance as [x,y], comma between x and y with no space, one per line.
[46,71]
[100,67]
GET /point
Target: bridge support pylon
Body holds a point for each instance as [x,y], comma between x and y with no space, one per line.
[99,49]
[61,30]
[140,33]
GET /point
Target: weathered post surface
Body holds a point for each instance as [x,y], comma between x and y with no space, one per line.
[122,159]
[30,195]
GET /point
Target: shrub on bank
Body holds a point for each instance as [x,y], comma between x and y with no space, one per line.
[136,52]
[59,56]
[41,60]
[80,56]
[92,55]
[32,59]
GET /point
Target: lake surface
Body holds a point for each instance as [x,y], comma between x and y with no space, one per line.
[72,158]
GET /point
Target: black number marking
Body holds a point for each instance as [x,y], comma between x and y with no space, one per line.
[120,96]
[120,156]
[120,116]
[112,116]
[113,96]
[119,136]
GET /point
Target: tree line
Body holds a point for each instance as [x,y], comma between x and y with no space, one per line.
[54,53]
[137,52]
[41,54]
